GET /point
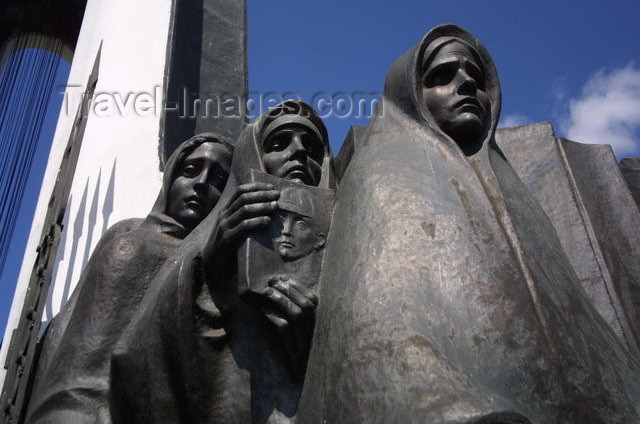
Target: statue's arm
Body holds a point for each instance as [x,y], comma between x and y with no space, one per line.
[291,306]
[249,210]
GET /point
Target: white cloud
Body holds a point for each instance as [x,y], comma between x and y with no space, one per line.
[608,111]
[513,120]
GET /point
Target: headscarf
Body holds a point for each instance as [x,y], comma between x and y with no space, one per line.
[445,295]
[158,213]
[249,145]
[73,381]
[177,353]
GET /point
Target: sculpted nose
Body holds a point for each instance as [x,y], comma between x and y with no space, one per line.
[296,144]
[287,224]
[200,181]
[467,84]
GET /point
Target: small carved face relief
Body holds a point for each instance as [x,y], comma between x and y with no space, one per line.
[298,236]
[294,229]
[454,93]
[295,153]
[198,183]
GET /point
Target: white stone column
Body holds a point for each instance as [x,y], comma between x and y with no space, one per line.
[118,171]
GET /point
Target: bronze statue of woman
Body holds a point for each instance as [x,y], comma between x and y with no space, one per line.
[72,379]
[448,298]
[198,352]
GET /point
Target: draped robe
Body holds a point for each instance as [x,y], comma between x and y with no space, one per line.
[196,352]
[72,378]
[446,296]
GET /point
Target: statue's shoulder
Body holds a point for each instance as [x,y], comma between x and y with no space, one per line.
[123,226]
[120,229]
[111,241]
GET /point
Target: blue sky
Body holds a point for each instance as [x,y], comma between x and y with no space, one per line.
[545,52]
[576,64]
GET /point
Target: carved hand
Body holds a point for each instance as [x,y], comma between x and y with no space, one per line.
[291,307]
[248,210]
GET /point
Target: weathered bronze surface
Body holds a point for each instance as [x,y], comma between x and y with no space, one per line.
[448,298]
[585,196]
[630,168]
[293,241]
[430,285]
[200,349]
[72,379]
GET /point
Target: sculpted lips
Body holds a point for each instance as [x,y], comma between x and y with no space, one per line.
[195,203]
[285,243]
[468,103]
[297,171]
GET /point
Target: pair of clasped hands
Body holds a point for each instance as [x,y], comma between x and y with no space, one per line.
[288,304]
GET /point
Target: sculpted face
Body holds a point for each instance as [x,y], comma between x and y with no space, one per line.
[198,183]
[298,236]
[454,93]
[294,230]
[294,152]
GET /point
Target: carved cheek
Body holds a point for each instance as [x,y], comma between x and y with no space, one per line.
[306,238]
[174,198]
[485,101]
[273,163]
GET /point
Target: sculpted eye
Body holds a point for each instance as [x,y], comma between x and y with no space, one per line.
[190,170]
[475,73]
[301,224]
[218,179]
[439,75]
[276,143]
[314,147]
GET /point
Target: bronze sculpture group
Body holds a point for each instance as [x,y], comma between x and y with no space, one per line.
[427,285]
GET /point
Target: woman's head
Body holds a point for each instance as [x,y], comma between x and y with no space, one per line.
[448,83]
[293,143]
[195,177]
[452,78]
